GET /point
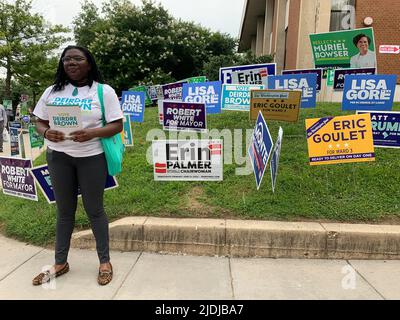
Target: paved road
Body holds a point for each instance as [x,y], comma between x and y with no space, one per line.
[143,276]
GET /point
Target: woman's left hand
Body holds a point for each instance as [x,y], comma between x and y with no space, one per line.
[82,135]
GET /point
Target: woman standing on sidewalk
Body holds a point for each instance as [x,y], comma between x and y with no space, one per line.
[78,161]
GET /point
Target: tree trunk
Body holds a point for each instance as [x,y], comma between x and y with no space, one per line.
[8,80]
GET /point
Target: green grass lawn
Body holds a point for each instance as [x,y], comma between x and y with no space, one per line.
[354,192]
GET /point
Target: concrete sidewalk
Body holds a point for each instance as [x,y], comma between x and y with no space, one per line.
[140,275]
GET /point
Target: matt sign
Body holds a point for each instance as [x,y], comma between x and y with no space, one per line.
[42,177]
[369,92]
[385,128]
[16,178]
[188,160]
[248,74]
[184,116]
[343,139]
[307,83]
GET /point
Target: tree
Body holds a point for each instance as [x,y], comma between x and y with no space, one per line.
[25,42]
[145,44]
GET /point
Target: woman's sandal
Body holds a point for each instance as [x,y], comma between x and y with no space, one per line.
[105,277]
[45,276]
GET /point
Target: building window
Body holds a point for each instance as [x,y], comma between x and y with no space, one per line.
[342,15]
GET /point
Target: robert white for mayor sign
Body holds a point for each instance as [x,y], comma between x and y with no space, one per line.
[16,178]
[188,160]
[184,116]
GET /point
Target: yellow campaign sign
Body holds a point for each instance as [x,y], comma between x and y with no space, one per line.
[280,105]
[342,139]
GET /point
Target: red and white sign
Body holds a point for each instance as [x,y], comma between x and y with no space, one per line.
[393,49]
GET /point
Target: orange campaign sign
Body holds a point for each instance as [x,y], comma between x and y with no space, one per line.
[342,139]
[275,104]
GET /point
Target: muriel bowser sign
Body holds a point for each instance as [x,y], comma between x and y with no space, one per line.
[343,139]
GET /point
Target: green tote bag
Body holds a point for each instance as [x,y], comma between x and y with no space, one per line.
[113,146]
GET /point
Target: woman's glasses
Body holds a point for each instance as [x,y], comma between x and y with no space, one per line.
[76,59]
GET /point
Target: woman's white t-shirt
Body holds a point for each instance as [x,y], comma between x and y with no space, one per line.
[87,98]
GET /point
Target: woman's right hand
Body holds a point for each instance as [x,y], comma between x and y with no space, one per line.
[55,136]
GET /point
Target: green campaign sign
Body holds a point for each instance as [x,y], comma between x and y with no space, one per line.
[24,108]
[344,49]
[35,138]
[199,79]
[148,100]
[7,104]
[330,77]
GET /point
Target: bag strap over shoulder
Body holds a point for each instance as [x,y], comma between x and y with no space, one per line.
[101,99]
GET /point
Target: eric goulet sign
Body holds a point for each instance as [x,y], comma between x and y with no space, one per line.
[275,104]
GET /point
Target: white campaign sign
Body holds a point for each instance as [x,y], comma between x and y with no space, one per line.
[188,160]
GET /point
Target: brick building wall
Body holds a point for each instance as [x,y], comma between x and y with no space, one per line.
[386,16]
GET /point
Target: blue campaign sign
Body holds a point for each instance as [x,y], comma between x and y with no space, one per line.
[299,71]
[254,71]
[260,149]
[42,176]
[275,158]
[205,92]
[133,103]
[307,83]
[385,128]
[237,97]
[369,92]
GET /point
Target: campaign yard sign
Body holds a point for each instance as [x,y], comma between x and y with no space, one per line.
[260,149]
[369,92]
[36,139]
[307,71]
[307,83]
[14,142]
[42,177]
[198,79]
[342,139]
[385,128]
[248,74]
[160,104]
[188,160]
[275,105]
[237,97]
[152,92]
[128,138]
[206,92]
[16,178]
[340,74]
[184,116]
[133,103]
[276,154]
[173,91]
[148,101]
[344,49]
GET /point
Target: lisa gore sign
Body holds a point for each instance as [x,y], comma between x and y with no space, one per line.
[369,92]
[133,103]
[307,83]
[187,160]
[207,92]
